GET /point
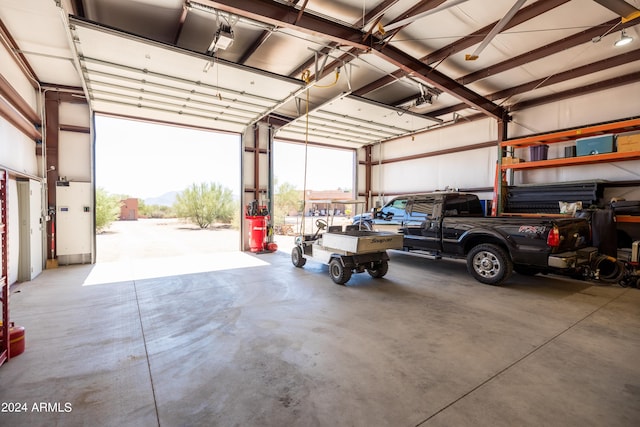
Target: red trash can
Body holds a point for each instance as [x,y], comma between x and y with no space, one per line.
[16,340]
[257,232]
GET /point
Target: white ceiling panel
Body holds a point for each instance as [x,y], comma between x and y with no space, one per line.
[557,63]
[150,59]
[273,58]
[48,52]
[353,121]
[584,81]
[151,80]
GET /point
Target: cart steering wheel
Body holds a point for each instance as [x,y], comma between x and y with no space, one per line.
[321,224]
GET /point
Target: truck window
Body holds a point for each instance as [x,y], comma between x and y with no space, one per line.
[399,204]
[422,207]
[394,209]
[463,205]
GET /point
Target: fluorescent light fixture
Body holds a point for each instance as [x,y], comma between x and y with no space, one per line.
[624,39]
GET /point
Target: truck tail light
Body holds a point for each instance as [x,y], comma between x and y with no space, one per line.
[553,239]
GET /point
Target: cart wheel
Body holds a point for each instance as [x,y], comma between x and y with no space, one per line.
[296,257]
[379,269]
[338,273]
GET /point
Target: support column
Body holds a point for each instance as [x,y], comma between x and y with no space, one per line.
[500,184]
[51,141]
[367,177]
[257,173]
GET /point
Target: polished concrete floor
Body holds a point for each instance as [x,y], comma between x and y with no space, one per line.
[236,339]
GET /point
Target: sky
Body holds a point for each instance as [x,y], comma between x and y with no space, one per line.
[327,169]
[144,160]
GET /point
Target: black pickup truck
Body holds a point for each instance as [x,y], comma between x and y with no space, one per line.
[453,224]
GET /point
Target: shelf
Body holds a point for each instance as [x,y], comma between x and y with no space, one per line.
[571,161]
[566,136]
[536,215]
[628,219]
[572,134]
[634,219]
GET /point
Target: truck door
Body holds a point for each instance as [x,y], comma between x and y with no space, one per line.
[457,208]
[423,223]
[391,216]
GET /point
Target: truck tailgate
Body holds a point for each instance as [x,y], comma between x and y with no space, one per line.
[575,233]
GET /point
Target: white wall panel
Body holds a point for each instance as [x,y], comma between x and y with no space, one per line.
[75,114]
[466,169]
[610,105]
[613,104]
[74,156]
[17,151]
[248,159]
[263,160]
[476,168]
[16,78]
[248,169]
[441,139]
[264,136]
[469,169]
[627,193]
[361,172]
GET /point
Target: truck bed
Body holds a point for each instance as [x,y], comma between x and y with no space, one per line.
[361,241]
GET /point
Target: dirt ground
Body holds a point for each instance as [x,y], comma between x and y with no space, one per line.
[157,238]
[154,238]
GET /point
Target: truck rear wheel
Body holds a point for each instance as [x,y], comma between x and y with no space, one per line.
[489,264]
[338,273]
[378,269]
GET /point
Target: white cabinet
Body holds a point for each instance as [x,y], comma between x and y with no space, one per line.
[74,222]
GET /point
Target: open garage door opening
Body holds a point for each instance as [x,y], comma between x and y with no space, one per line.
[330,175]
[164,191]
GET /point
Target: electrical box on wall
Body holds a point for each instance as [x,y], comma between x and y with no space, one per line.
[74,222]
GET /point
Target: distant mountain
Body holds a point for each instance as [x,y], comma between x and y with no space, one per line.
[167,199]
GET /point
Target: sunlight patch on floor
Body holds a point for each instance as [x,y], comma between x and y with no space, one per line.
[138,269]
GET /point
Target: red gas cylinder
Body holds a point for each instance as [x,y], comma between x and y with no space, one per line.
[257,232]
[16,340]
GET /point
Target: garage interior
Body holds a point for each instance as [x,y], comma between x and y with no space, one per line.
[430,95]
